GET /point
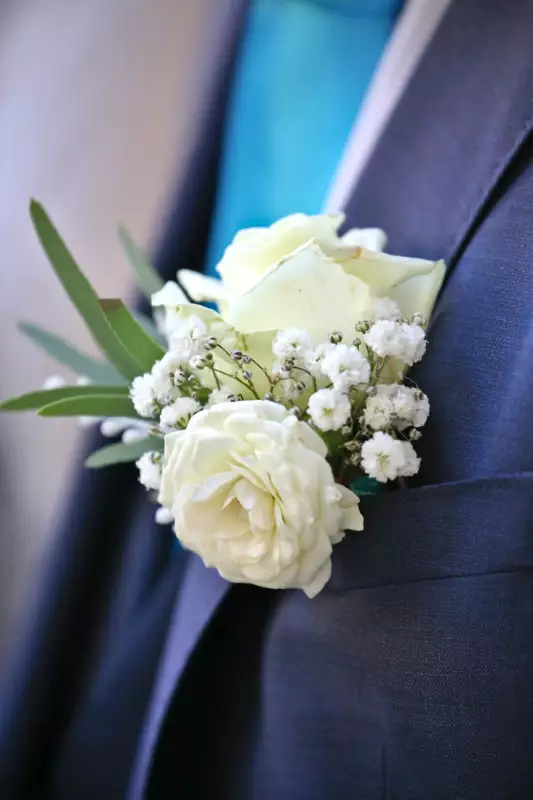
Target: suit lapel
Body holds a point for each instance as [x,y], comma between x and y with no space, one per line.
[460,122]
[200,593]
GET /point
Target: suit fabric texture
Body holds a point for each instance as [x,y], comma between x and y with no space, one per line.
[410,676]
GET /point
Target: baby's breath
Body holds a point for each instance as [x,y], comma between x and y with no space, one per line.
[347,388]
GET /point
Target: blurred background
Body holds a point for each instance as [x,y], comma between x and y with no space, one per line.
[98,105]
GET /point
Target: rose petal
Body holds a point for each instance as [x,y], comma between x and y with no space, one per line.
[307,290]
[319,580]
[369,238]
[201,287]
[170,295]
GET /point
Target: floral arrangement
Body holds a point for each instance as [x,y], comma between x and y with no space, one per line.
[257,426]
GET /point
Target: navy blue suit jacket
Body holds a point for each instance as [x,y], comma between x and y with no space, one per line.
[411,676]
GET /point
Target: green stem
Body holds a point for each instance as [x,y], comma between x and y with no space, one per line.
[302,369]
[264,371]
[227,352]
[217,380]
[235,378]
[380,366]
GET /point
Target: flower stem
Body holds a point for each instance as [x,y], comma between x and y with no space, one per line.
[217,379]
[264,371]
[243,383]
[302,369]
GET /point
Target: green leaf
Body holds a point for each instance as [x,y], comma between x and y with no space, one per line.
[80,292]
[132,336]
[102,405]
[147,278]
[121,453]
[44,397]
[150,327]
[71,357]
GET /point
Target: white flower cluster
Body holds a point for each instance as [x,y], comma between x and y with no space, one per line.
[379,420]
[179,411]
[257,422]
[396,405]
[386,459]
[336,386]
[149,466]
[329,409]
[391,338]
[170,394]
[167,391]
[345,367]
[143,395]
[341,366]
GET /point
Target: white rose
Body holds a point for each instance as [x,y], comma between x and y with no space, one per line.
[300,273]
[252,494]
[322,288]
[321,285]
[254,251]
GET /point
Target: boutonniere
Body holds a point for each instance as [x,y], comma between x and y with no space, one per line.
[256,427]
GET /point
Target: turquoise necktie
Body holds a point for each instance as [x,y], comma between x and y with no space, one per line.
[301,74]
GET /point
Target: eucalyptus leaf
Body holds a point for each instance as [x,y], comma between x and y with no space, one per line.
[147,278]
[121,453]
[44,397]
[118,405]
[132,335]
[71,357]
[80,292]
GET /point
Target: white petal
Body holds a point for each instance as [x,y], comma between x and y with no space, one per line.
[307,290]
[163,516]
[413,283]
[170,295]
[352,519]
[201,287]
[319,580]
[369,238]
[255,251]
[419,294]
